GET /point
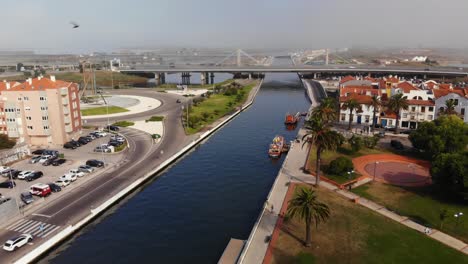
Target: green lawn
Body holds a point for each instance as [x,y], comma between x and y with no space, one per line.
[155,119]
[170,86]
[419,204]
[123,123]
[214,107]
[355,234]
[102,110]
[103,78]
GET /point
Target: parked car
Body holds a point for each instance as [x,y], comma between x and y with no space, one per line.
[4,168]
[27,198]
[17,242]
[12,173]
[86,168]
[115,143]
[82,141]
[34,175]
[112,128]
[102,149]
[35,159]
[396,144]
[69,145]
[54,187]
[7,171]
[7,184]
[62,182]
[77,172]
[45,158]
[85,138]
[100,133]
[76,143]
[24,174]
[38,152]
[50,152]
[117,138]
[91,136]
[58,162]
[40,189]
[49,161]
[68,176]
[94,163]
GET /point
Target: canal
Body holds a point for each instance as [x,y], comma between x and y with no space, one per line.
[216,192]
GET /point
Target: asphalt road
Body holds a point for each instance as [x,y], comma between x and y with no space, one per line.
[142,156]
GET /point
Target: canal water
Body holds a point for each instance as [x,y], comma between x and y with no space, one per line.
[216,192]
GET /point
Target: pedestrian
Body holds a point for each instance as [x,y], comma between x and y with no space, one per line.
[272,211]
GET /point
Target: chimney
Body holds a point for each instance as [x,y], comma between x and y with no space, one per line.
[52,78]
[29,81]
[7,85]
[39,77]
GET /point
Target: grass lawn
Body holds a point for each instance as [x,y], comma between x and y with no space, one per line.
[102,110]
[103,78]
[155,119]
[420,204]
[215,107]
[343,151]
[354,234]
[170,86]
[123,123]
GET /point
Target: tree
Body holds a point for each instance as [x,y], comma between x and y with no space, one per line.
[326,110]
[5,142]
[375,103]
[356,143]
[340,166]
[351,105]
[397,103]
[320,135]
[449,108]
[446,134]
[449,172]
[305,206]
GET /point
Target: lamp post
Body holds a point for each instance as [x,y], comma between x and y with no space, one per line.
[457,218]
[375,169]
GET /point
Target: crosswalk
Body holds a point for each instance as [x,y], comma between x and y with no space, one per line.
[35,228]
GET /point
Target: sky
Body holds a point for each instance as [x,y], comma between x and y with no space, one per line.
[105,25]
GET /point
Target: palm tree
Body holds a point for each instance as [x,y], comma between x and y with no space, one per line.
[326,110]
[320,135]
[375,103]
[351,104]
[449,108]
[396,103]
[305,206]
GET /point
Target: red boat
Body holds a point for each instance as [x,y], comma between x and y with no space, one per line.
[276,147]
[292,120]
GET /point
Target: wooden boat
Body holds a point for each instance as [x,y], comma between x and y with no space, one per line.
[276,147]
[292,119]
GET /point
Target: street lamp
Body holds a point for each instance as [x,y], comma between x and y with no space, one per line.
[457,217]
[375,169]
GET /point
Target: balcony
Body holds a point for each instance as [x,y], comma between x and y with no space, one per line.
[64,91]
[65,101]
[68,128]
[66,111]
[67,120]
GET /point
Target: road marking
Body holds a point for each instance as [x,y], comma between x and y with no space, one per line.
[42,215]
[31,228]
[51,231]
[16,223]
[29,223]
[27,226]
[39,230]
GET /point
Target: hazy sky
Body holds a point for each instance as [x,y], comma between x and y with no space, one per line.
[106,25]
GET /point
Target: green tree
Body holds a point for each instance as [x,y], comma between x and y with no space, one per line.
[446,134]
[320,135]
[305,206]
[326,110]
[356,143]
[340,166]
[449,172]
[449,108]
[5,142]
[397,103]
[375,103]
[351,105]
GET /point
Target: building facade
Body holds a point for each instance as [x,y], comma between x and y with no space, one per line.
[457,95]
[41,111]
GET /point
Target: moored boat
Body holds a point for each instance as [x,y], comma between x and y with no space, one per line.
[292,119]
[276,147]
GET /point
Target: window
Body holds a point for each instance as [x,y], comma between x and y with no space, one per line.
[17,109]
[19,98]
[412,117]
[42,98]
[30,127]
[45,118]
[390,122]
[343,117]
[431,108]
[27,108]
[462,111]
[43,108]
[367,117]
[26,98]
[430,117]
[423,109]
[413,109]
[46,127]
[404,124]
[29,118]
[405,115]
[456,102]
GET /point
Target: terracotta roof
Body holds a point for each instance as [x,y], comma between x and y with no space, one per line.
[406,87]
[362,99]
[439,93]
[421,102]
[430,85]
[40,84]
[368,78]
[389,114]
[392,80]
[4,84]
[358,90]
[347,78]
[445,86]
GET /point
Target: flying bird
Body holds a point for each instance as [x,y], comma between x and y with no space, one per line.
[75,25]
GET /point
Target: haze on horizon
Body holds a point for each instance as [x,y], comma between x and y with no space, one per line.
[105,25]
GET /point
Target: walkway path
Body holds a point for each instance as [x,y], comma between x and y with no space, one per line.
[145,104]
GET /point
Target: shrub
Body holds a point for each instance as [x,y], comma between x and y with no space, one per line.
[155,119]
[371,142]
[356,143]
[5,142]
[230,91]
[340,166]
[123,124]
[205,116]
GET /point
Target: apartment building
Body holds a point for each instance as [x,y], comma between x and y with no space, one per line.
[459,97]
[41,111]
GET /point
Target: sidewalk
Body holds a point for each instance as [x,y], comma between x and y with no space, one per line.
[144,104]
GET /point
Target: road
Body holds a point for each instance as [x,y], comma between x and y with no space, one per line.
[142,156]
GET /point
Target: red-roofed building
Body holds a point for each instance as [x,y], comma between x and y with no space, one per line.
[458,95]
[346,79]
[41,111]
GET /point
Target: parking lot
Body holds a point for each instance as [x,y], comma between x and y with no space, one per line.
[74,158]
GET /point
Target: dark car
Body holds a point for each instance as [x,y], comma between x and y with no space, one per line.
[49,161]
[82,141]
[396,144]
[7,184]
[94,163]
[69,145]
[58,162]
[54,153]
[27,197]
[115,143]
[85,138]
[112,128]
[11,173]
[34,175]
[54,187]
[76,143]
[38,152]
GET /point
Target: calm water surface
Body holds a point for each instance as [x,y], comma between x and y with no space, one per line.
[189,214]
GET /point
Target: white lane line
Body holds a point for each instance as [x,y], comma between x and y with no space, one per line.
[48,216]
[15,224]
[30,222]
[51,231]
[39,230]
[46,230]
[27,230]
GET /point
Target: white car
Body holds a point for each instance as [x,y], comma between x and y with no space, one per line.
[86,169]
[69,176]
[117,138]
[77,172]
[44,158]
[62,182]
[24,174]
[3,168]
[101,133]
[17,242]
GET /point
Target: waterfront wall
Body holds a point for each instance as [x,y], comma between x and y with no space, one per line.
[70,230]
